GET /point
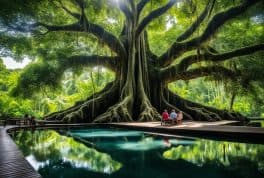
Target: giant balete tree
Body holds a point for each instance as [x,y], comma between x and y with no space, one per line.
[140,89]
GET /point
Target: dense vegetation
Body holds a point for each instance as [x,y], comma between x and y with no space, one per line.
[147,44]
[75,88]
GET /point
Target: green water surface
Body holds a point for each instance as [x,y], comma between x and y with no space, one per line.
[94,153]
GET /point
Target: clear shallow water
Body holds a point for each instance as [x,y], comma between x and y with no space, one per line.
[95,153]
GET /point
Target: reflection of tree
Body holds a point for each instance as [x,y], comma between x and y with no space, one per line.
[51,148]
[226,154]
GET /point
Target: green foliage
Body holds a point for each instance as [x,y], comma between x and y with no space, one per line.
[224,154]
[49,146]
[215,95]
[72,88]
[37,76]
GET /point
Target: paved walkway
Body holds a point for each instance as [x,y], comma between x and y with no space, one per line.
[12,162]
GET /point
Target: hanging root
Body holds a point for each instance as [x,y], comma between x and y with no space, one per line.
[119,112]
[201,112]
[86,110]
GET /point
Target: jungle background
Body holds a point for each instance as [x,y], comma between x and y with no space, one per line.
[75,87]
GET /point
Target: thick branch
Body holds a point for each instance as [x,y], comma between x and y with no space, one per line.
[208,56]
[154,14]
[195,24]
[141,5]
[170,74]
[218,20]
[106,61]
[94,29]
[72,27]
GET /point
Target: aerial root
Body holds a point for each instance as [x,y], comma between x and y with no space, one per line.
[117,113]
[204,114]
[85,111]
[148,112]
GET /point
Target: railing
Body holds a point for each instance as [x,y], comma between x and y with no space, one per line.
[27,122]
[256,118]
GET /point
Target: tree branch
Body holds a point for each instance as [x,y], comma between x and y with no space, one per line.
[170,74]
[51,28]
[154,14]
[218,20]
[105,61]
[141,5]
[208,56]
[106,37]
[197,23]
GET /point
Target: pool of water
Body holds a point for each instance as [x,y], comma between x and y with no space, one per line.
[109,152]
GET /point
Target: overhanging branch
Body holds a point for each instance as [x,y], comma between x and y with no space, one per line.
[172,75]
[197,23]
[208,56]
[106,37]
[218,20]
[141,5]
[154,14]
[71,27]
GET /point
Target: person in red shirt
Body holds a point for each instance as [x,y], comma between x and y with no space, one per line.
[165,115]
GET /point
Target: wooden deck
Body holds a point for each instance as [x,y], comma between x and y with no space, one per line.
[12,162]
[216,130]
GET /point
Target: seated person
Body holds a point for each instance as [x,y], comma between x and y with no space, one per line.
[165,116]
[173,116]
[179,117]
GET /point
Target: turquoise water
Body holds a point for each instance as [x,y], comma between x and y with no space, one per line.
[118,153]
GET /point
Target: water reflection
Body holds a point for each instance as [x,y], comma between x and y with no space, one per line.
[116,139]
[92,133]
[43,149]
[204,152]
[117,153]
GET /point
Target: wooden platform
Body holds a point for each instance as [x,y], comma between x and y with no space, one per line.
[12,162]
[216,130]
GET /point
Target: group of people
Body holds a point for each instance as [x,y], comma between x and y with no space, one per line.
[173,116]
